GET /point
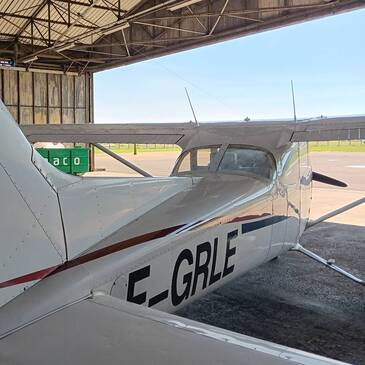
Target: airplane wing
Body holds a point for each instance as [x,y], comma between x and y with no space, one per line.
[106,330]
[164,133]
[275,132]
[330,129]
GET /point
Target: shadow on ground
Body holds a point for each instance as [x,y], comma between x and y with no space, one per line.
[296,302]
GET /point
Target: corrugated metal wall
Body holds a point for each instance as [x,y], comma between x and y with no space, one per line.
[41,98]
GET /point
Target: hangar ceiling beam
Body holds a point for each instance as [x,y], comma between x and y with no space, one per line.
[85,35]
[53,21]
[167,27]
[219,17]
[31,19]
[96,6]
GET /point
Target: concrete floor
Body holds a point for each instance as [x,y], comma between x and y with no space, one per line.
[294,301]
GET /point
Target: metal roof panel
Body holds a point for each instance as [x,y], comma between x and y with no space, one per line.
[159,32]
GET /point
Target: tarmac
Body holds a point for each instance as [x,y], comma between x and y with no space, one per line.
[293,300]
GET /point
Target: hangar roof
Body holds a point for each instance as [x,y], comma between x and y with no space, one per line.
[94,35]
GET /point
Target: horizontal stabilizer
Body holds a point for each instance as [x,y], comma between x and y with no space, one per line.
[106,330]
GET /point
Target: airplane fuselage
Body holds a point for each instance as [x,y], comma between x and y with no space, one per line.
[206,254]
[158,242]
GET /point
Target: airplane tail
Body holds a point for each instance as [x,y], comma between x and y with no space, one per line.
[30,214]
[49,217]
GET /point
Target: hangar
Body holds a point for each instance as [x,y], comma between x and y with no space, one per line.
[49,49]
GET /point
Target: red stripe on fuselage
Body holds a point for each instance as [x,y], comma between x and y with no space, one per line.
[119,246]
[36,275]
[116,247]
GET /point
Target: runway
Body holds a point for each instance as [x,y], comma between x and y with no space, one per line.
[345,166]
[294,301]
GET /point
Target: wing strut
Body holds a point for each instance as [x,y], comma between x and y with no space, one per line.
[335,212]
[122,160]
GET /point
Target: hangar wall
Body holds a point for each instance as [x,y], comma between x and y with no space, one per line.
[47,98]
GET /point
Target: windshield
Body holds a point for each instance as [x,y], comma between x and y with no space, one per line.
[245,160]
[238,160]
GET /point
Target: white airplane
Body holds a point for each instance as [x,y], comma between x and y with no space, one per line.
[91,269]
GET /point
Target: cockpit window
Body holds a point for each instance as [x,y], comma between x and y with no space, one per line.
[238,160]
[198,159]
[244,160]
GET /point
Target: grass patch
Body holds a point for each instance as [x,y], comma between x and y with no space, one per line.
[121,148]
[337,146]
[330,146]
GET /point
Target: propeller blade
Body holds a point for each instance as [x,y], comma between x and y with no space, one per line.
[327,180]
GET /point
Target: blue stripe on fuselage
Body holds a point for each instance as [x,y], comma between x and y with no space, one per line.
[253,226]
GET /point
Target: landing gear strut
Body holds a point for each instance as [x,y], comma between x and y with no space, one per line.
[331,263]
[328,263]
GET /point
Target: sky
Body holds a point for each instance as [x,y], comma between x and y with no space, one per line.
[245,77]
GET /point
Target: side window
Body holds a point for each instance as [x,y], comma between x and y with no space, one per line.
[185,163]
[241,160]
[198,159]
[205,156]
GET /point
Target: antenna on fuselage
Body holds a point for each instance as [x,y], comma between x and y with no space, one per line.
[191,106]
[293,99]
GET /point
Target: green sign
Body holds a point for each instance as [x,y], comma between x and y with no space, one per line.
[69,160]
